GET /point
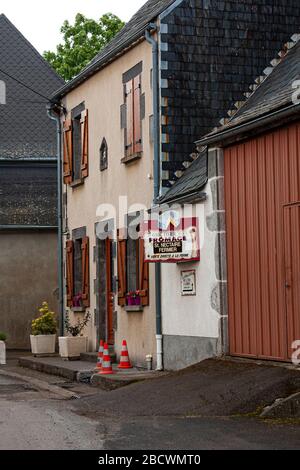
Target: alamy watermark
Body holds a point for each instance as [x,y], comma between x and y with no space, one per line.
[296,353]
[2,92]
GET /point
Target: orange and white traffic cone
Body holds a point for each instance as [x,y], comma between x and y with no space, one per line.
[124,360]
[100,355]
[106,362]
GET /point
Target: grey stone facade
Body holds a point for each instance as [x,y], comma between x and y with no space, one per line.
[183,351]
[216,222]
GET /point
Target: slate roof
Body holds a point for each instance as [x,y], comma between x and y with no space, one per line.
[26,132]
[192,180]
[28,194]
[132,32]
[275,93]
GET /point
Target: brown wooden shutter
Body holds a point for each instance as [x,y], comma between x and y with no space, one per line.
[68,151]
[143,274]
[70,272]
[121,270]
[84,144]
[85,272]
[129,119]
[137,123]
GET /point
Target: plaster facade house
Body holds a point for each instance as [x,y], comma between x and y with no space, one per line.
[258,172]
[130,123]
[28,215]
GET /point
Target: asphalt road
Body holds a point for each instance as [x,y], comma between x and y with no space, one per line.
[32,419]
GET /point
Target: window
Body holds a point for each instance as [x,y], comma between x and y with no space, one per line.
[75,146]
[133,272]
[103,155]
[77,270]
[132,112]
[77,267]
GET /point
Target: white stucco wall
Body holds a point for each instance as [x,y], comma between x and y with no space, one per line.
[192,315]
[103,96]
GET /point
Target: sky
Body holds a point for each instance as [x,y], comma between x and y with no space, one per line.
[40,21]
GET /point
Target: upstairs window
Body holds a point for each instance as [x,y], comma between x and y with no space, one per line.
[75,147]
[132,113]
[103,155]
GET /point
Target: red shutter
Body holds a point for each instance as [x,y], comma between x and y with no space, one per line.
[70,272]
[143,274]
[121,270]
[84,144]
[85,272]
[137,123]
[68,151]
[129,119]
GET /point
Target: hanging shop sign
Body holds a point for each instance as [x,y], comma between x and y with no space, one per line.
[171,239]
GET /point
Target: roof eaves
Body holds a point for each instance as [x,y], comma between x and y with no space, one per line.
[190,196]
[228,134]
[98,65]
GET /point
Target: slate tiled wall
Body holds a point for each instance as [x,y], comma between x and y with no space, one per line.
[212,50]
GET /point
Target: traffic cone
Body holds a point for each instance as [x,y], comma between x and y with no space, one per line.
[106,362]
[124,359]
[100,355]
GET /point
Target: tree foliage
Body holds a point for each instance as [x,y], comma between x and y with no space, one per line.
[82,42]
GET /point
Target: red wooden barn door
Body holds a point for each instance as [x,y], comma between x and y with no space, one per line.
[262,176]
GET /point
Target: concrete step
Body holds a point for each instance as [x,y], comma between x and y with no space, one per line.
[93,356]
[80,371]
[121,378]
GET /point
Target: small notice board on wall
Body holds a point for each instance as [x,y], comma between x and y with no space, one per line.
[171,239]
[188,283]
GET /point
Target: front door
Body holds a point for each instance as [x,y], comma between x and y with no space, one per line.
[109,292]
[292,272]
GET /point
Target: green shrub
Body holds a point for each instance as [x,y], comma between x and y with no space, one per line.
[46,323]
[3,336]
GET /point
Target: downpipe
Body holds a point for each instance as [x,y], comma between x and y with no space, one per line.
[55,116]
[156,166]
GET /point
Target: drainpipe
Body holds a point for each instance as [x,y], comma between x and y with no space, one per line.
[55,116]
[156,124]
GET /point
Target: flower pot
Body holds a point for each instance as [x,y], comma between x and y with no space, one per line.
[70,347]
[42,344]
[2,353]
[137,300]
[130,301]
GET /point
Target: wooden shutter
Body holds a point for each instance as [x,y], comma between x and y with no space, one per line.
[121,270]
[129,119]
[85,272]
[137,123]
[143,274]
[68,151]
[84,144]
[70,272]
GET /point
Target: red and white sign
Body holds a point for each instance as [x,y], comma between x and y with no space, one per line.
[171,239]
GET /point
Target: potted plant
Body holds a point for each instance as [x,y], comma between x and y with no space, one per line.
[2,349]
[43,331]
[70,347]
